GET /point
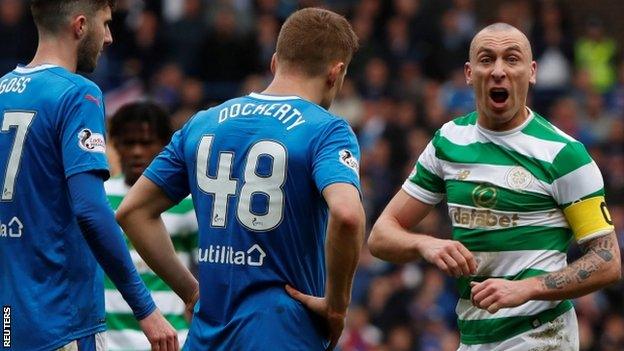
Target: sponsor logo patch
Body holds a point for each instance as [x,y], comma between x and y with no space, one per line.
[12,229]
[481,218]
[347,159]
[92,142]
[221,254]
[485,196]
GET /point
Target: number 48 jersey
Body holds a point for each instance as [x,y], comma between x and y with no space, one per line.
[256,167]
[52,127]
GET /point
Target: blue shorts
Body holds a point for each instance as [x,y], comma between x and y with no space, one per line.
[281,324]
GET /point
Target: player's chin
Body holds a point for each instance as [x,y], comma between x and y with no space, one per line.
[502,111]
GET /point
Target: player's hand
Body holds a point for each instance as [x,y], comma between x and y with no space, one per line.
[159,332]
[335,319]
[494,294]
[190,307]
[449,256]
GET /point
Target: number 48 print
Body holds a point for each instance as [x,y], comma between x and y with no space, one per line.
[223,186]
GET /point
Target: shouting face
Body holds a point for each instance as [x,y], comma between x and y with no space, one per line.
[500,70]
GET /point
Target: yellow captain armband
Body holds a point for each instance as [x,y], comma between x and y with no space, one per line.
[589,218]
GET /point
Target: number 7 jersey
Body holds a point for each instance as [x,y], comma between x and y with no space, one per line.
[52,127]
[256,167]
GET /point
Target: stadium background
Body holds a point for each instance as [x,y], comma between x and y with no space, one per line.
[405,82]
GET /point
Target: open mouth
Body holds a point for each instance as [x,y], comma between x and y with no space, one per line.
[499,95]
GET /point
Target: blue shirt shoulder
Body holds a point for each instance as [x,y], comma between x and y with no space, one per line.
[53,127]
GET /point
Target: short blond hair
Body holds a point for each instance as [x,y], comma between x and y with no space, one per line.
[313,38]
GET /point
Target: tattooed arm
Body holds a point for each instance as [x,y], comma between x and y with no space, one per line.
[598,267]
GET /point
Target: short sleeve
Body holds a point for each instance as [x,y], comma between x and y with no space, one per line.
[336,157]
[578,188]
[168,170]
[82,131]
[577,176]
[426,182]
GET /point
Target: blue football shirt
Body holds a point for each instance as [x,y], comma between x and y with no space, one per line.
[52,127]
[256,167]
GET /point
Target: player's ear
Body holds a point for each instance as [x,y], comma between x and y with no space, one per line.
[274,64]
[468,73]
[335,72]
[533,78]
[79,26]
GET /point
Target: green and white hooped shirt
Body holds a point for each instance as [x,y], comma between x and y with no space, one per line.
[506,192]
[123,331]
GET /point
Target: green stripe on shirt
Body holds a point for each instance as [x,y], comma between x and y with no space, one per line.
[512,239]
[467,193]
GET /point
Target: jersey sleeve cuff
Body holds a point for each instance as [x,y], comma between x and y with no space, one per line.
[421,194]
[146,311]
[329,182]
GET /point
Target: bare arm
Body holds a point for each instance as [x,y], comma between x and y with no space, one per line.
[139,216]
[391,239]
[598,267]
[345,236]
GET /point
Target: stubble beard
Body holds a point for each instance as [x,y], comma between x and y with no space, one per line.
[87,54]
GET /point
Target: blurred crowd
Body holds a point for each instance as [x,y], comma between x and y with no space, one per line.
[405,82]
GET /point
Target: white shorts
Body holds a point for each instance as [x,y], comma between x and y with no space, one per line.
[95,342]
[561,334]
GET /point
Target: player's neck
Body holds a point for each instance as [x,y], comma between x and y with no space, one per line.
[306,88]
[502,126]
[55,52]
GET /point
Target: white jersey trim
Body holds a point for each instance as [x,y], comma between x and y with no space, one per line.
[508,132]
[24,69]
[421,194]
[274,97]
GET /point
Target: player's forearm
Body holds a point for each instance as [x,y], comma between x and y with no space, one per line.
[345,237]
[152,241]
[390,242]
[97,223]
[598,267]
